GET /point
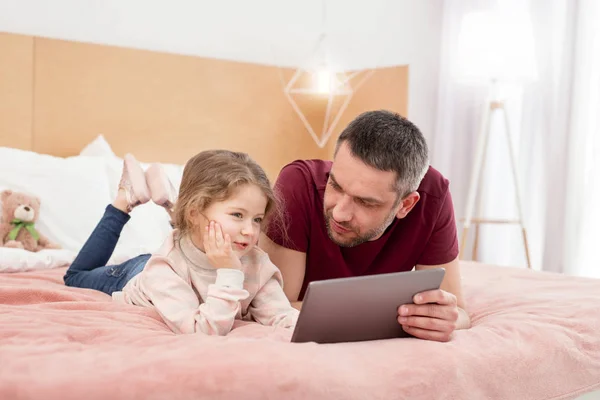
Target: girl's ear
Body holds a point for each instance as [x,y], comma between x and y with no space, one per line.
[191,214]
[194,216]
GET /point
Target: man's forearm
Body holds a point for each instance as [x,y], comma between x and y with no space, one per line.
[463,321]
[297,305]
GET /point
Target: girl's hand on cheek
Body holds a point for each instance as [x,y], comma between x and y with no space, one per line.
[218,248]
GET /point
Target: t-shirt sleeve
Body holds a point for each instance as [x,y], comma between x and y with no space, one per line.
[442,246]
[294,189]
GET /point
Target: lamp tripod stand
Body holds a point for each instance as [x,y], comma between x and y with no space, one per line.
[476,182]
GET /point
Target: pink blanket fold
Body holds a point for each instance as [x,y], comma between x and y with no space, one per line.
[534,336]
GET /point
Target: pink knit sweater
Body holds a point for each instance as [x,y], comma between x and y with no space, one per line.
[193,296]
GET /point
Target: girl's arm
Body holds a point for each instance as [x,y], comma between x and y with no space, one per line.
[179,306]
[271,307]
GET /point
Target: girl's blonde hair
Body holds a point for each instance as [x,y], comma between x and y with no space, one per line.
[211,176]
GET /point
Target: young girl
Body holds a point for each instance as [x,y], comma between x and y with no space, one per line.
[209,270]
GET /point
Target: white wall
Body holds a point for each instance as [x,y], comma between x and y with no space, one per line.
[361,33]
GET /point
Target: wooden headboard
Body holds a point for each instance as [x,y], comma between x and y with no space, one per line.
[56,96]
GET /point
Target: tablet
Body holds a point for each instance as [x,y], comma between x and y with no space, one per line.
[360,308]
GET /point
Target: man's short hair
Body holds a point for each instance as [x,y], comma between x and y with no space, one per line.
[389,142]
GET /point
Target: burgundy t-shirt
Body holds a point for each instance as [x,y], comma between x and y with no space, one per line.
[427,235]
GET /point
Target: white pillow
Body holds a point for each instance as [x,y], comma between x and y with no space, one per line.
[98,147]
[18,260]
[74,193]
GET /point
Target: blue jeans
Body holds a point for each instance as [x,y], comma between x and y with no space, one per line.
[89,269]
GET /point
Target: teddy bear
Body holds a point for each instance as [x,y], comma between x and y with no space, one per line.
[17,226]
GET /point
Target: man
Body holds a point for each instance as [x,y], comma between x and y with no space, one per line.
[378,208]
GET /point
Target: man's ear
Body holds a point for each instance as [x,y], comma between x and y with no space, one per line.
[407,204]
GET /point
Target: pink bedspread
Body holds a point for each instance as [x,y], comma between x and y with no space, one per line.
[534,336]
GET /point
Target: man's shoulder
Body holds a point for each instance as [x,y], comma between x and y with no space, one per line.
[434,184]
[310,171]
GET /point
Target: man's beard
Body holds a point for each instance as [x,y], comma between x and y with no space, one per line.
[359,239]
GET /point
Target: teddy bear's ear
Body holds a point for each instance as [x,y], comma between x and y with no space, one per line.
[5,194]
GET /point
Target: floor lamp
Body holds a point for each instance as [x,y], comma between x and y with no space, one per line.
[476,180]
[494,46]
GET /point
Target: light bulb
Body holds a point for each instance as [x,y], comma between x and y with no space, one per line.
[324,81]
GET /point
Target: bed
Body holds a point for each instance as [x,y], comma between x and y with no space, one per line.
[534,336]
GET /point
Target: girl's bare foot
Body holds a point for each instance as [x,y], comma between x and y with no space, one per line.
[133,189]
[162,190]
